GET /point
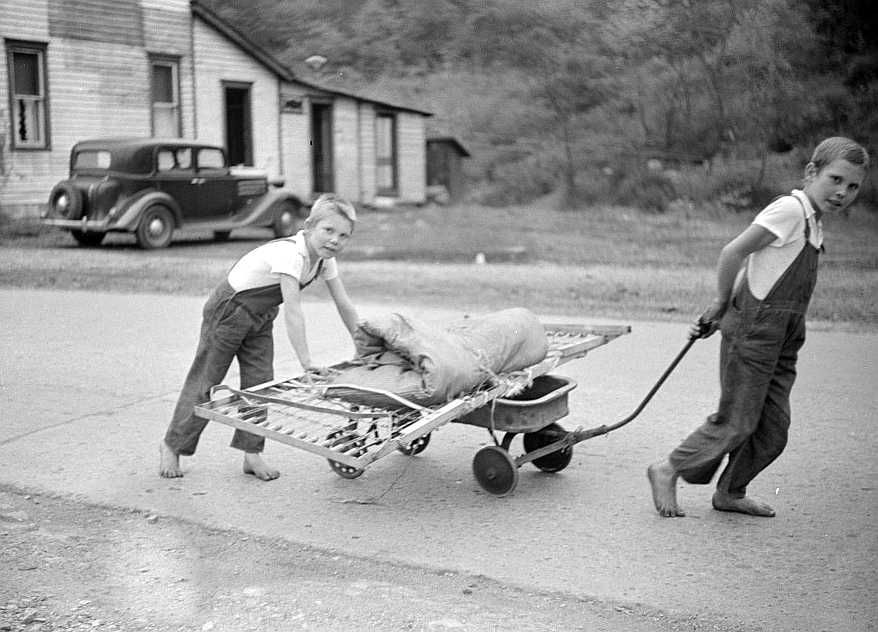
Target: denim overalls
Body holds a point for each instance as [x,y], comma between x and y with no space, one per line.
[760,343]
[234,324]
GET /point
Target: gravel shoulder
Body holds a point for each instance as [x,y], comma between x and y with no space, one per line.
[75,566]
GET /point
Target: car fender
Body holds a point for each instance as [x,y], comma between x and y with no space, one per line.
[133,208]
[261,211]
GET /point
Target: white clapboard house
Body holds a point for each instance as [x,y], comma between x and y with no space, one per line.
[173,68]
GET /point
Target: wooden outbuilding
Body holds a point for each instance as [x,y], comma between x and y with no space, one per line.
[445,155]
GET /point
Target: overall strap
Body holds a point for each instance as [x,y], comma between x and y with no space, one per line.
[807,225]
[302,286]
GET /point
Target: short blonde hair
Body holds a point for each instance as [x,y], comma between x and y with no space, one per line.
[839,148]
[329,204]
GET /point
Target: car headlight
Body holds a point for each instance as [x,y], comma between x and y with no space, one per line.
[61,204]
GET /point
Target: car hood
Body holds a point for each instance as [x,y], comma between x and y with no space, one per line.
[248,172]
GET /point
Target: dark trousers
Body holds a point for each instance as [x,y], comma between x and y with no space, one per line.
[757,370]
[229,330]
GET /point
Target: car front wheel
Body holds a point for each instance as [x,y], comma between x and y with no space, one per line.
[287,219]
[155,228]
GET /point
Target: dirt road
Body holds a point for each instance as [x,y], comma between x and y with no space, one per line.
[414,543]
[73,566]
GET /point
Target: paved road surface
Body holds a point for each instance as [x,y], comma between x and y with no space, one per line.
[88,382]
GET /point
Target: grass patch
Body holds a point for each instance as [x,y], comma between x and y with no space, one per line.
[606,261]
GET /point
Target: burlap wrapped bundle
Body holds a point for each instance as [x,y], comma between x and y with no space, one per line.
[434,363]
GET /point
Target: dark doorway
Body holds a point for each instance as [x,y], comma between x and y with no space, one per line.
[321,147]
[239,141]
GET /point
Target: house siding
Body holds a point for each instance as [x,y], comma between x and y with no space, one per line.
[97,55]
[346,148]
[411,154]
[218,61]
[115,22]
[167,33]
[367,152]
[295,150]
[23,174]
[96,87]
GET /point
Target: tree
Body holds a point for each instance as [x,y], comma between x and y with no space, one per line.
[569,89]
[692,38]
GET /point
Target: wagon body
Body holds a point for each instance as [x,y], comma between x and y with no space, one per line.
[542,403]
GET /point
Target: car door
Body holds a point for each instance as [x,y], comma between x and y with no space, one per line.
[217,194]
[174,175]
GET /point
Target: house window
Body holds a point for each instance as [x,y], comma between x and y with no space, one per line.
[385,154]
[28,101]
[165,97]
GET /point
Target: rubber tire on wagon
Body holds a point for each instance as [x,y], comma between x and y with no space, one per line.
[353,447]
[554,461]
[417,446]
[495,470]
[156,228]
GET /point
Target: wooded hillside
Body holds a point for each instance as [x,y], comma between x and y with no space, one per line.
[577,96]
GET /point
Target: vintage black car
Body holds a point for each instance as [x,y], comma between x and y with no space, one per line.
[151,187]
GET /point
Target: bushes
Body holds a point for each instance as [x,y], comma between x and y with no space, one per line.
[517,182]
[726,185]
[648,190]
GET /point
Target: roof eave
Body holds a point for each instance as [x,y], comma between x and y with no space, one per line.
[241,40]
[267,60]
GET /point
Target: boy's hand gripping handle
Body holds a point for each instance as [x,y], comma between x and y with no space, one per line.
[703,328]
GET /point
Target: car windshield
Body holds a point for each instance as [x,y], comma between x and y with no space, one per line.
[92,159]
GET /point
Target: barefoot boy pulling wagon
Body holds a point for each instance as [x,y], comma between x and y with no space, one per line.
[765,277]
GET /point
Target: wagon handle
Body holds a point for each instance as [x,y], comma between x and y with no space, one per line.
[653,390]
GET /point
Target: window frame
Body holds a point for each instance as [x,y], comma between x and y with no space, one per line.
[391,161]
[173,62]
[40,49]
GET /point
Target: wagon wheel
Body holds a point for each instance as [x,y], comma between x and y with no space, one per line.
[495,470]
[417,446]
[345,471]
[339,436]
[554,461]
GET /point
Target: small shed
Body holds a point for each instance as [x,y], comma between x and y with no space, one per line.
[445,156]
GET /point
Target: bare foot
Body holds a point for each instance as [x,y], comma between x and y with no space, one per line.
[253,464]
[169,462]
[663,480]
[745,505]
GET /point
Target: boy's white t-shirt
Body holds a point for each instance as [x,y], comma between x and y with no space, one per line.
[786,220]
[265,264]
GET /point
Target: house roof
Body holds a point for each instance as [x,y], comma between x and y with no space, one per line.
[241,40]
[359,97]
[266,59]
[451,140]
